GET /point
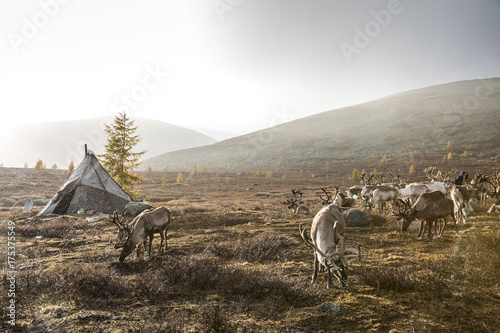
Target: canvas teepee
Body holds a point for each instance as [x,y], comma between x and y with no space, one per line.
[90,188]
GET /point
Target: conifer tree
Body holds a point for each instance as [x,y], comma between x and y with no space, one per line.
[39,166]
[120,160]
[355,176]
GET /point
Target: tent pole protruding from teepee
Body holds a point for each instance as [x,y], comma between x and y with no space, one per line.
[86,152]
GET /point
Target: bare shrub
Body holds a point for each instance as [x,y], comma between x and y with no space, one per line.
[213,319]
[405,279]
[201,273]
[261,248]
[476,258]
[78,282]
[56,228]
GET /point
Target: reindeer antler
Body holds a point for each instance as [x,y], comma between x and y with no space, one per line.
[295,192]
[303,233]
[429,173]
[328,200]
[115,219]
[364,180]
[381,178]
[121,225]
[403,207]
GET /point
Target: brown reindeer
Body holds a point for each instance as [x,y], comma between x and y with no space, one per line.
[135,233]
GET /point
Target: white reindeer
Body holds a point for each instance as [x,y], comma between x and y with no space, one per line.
[294,206]
[328,243]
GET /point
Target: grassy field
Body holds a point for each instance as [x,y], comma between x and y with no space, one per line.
[236,263]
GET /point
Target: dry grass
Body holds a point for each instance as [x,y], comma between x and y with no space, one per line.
[236,263]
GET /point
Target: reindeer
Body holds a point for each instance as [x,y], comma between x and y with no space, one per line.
[355,190]
[143,226]
[294,206]
[328,243]
[383,194]
[460,195]
[440,181]
[430,214]
[341,200]
[482,184]
[423,200]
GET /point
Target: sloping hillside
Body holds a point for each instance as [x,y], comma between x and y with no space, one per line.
[62,142]
[412,125]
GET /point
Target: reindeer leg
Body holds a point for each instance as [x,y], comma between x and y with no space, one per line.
[162,235]
[435,229]
[491,209]
[421,231]
[150,243]
[441,230]
[329,283]
[429,224]
[315,272]
[166,230]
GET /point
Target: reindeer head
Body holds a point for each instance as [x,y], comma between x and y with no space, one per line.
[339,197]
[292,203]
[331,259]
[124,230]
[404,212]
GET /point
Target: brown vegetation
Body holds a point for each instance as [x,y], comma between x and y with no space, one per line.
[236,263]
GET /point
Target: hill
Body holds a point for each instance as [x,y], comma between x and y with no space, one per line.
[411,127]
[62,142]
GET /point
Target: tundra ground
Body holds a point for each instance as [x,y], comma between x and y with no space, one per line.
[236,263]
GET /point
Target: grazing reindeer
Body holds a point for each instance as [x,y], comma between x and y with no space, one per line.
[328,243]
[430,214]
[143,226]
[423,200]
[294,206]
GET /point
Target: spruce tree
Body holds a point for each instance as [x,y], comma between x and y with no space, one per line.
[120,160]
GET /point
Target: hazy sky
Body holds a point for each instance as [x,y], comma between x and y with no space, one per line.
[233,65]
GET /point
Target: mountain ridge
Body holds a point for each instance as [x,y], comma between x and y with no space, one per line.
[418,122]
[62,142]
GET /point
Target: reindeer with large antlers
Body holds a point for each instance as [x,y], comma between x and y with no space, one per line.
[328,242]
[133,234]
[428,210]
[482,184]
[341,200]
[293,204]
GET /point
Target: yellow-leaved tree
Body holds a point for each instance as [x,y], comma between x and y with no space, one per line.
[120,160]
